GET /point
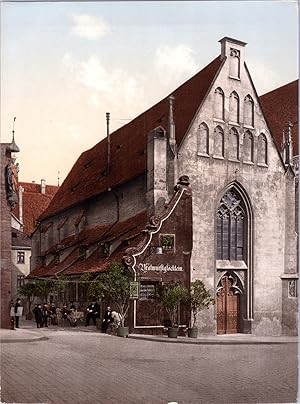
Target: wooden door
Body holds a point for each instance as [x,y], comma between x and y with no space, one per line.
[228,307]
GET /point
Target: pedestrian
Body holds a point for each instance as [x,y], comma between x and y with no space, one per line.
[18,312]
[116,321]
[93,312]
[45,313]
[53,314]
[107,319]
[37,311]
[65,311]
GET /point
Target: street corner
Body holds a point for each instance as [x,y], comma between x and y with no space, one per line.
[20,335]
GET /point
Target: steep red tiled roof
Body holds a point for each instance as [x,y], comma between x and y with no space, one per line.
[107,232]
[34,203]
[128,144]
[72,264]
[281,106]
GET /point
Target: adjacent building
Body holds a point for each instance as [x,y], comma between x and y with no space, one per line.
[230,220]
[8,198]
[33,199]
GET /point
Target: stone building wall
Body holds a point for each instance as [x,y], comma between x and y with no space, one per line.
[266,188]
[5,243]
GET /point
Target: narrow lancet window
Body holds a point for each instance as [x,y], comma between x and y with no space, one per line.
[262,150]
[248,147]
[234,107]
[233,144]
[219,103]
[234,63]
[219,142]
[203,139]
[248,111]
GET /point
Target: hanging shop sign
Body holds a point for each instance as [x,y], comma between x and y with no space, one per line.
[160,268]
[134,290]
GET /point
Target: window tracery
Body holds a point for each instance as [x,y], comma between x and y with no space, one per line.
[231,226]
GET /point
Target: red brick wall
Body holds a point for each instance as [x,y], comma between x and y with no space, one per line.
[5,244]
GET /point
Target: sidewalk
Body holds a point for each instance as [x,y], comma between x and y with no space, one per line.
[225,339]
[28,333]
[21,335]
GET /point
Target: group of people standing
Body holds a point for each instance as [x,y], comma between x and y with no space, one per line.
[46,312]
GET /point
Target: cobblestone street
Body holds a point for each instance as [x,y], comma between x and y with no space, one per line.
[89,367]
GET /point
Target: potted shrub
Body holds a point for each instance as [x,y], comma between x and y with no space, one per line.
[114,286]
[199,298]
[170,295]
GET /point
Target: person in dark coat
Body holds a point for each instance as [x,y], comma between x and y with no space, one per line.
[17,316]
[45,312]
[37,311]
[53,314]
[107,319]
[65,311]
[93,312]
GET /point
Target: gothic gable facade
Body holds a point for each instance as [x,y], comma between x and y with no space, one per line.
[240,210]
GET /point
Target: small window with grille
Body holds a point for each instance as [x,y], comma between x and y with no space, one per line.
[20,280]
[20,257]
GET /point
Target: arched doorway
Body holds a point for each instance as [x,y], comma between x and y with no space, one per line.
[229,301]
[234,270]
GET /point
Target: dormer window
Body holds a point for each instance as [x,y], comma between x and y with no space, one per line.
[82,252]
[104,250]
[56,258]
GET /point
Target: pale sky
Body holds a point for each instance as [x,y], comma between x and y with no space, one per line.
[64,65]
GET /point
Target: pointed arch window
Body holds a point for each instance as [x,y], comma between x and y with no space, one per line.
[231,228]
[262,150]
[248,147]
[219,142]
[234,63]
[248,111]
[203,139]
[234,107]
[233,148]
[219,103]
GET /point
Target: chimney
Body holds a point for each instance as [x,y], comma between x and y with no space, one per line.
[108,143]
[43,186]
[172,154]
[157,194]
